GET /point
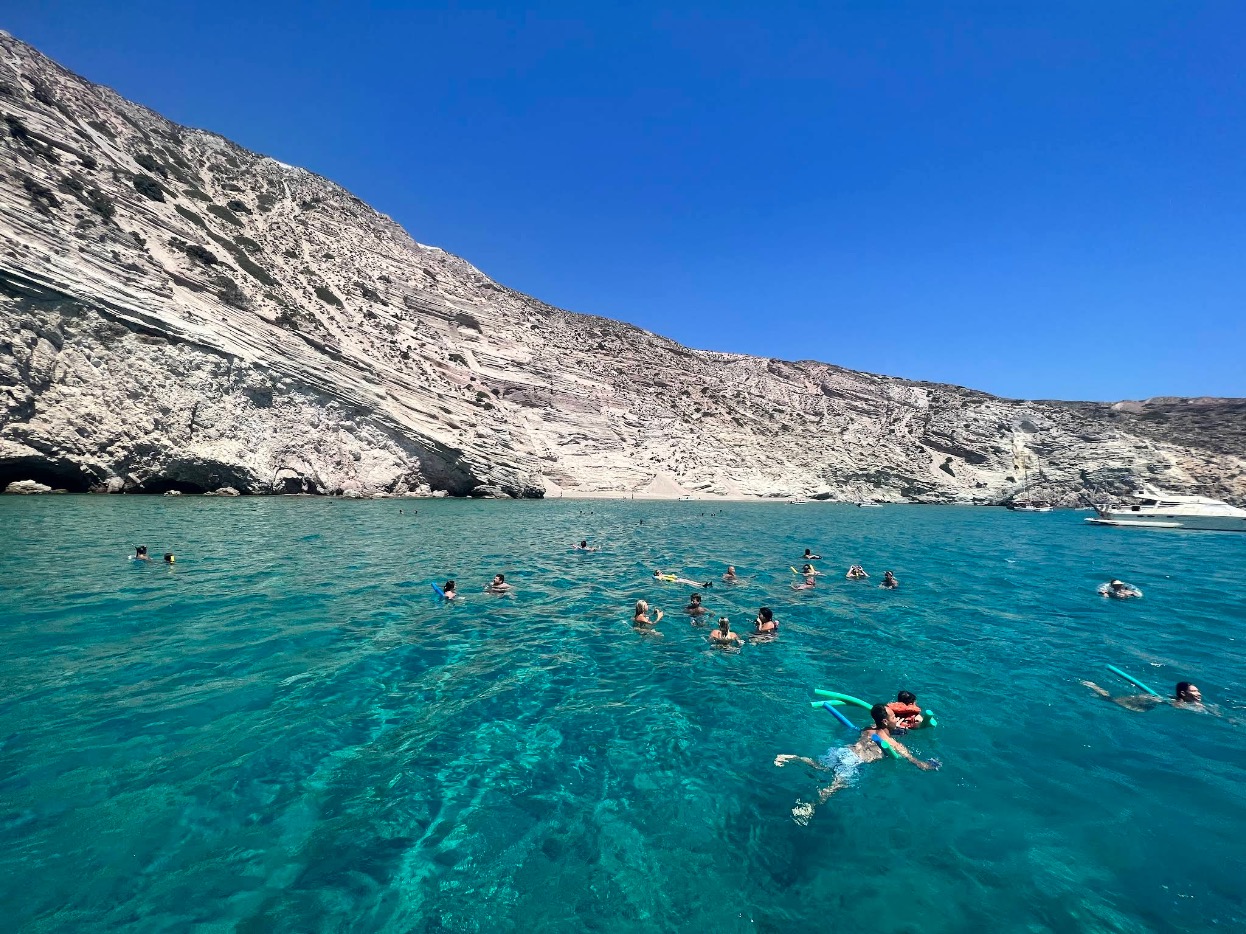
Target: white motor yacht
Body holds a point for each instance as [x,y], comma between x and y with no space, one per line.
[1173,511]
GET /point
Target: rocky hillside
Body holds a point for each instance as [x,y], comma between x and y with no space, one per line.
[181,314]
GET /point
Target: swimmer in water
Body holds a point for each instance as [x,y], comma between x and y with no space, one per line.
[908,714]
[808,570]
[857,573]
[810,556]
[844,760]
[889,581]
[1185,695]
[169,557]
[1119,590]
[806,584]
[584,546]
[140,553]
[498,585]
[640,617]
[449,592]
[694,607]
[676,579]
[730,577]
[765,623]
[723,637]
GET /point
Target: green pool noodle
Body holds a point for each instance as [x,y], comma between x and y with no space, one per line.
[846,698]
[819,703]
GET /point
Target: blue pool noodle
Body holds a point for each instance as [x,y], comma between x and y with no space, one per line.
[841,718]
[440,592]
[1133,680]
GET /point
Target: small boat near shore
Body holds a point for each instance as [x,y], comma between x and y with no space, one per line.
[1173,511]
[868,505]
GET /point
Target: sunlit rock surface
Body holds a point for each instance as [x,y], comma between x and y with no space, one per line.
[178,313]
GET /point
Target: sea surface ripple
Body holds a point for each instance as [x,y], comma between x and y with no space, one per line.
[286,731]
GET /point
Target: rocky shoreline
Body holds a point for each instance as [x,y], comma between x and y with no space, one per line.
[178,314]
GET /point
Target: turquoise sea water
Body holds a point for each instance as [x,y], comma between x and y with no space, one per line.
[287,732]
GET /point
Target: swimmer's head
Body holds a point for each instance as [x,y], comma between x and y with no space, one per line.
[1188,693]
[169,557]
[765,614]
[906,697]
[883,718]
[724,625]
[499,579]
[807,567]
[696,598]
[641,608]
[449,586]
[1116,585]
[731,569]
[584,544]
[657,573]
[140,551]
[808,552]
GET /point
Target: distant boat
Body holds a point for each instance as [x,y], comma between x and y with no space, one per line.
[798,501]
[868,505]
[1173,511]
[1026,504]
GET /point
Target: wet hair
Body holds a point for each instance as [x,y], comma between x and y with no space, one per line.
[584,543]
[724,625]
[1183,690]
[140,549]
[449,585]
[765,614]
[695,598]
[168,556]
[641,608]
[879,713]
[906,697]
[501,578]
[808,551]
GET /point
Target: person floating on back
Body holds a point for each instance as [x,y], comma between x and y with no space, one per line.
[723,637]
[1185,695]
[676,579]
[908,715]
[843,761]
[889,581]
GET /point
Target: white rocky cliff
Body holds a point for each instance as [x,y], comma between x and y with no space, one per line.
[177,313]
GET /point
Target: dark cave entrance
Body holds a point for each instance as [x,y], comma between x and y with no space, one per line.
[59,476]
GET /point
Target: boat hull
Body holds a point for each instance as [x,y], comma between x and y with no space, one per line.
[1197,523]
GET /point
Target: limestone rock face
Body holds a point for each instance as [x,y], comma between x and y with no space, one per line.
[177,313]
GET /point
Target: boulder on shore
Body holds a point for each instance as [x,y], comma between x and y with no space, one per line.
[26,487]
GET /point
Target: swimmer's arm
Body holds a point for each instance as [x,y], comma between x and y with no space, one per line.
[1098,690]
[904,753]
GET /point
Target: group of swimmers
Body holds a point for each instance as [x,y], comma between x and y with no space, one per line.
[497,587]
[765,624]
[140,554]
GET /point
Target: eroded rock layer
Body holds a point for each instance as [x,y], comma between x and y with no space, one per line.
[177,313]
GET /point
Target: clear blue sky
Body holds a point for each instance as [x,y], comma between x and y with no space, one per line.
[1042,200]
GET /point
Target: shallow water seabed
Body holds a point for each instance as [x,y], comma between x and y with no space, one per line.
[286,731]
